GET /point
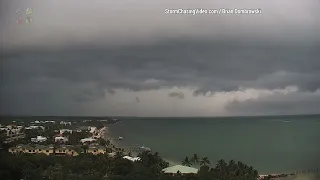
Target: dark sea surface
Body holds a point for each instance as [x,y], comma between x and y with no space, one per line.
[273,144]
[269,144]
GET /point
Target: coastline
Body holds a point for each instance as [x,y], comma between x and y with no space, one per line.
[115,142]
[283,176]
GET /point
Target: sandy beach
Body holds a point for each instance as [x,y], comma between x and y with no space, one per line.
[307,176]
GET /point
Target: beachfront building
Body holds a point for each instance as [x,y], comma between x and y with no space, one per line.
[88,140]
[61,139]
[48,150]
[83,128]
[23,149]
[181,169]
[65,130]
[38,139]
[66,150]
[43,122]
[12,133]
[133,159]
[52,122]
[38,149]
[11,130]
[35,127]
[93,130]
[96,150]
[65,123]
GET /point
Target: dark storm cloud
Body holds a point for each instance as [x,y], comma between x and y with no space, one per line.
[178,95]
[136,46]
[208,65]
[293,103]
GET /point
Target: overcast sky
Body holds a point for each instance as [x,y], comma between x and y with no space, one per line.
[130,58]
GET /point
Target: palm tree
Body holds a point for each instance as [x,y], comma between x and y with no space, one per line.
[204,161]
[119,155]
[221,167]
[186,162]
[195,159]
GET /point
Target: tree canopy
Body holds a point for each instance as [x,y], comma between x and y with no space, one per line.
[102,167]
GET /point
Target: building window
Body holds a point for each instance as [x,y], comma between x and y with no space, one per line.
[29,150]
[39,149]
[47,151]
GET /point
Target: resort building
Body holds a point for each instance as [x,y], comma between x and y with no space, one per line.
[181,169]
[93,130]
[61,139]
[88,140]
[12,132]
[38,139]
[65,123]
[65,130]
[52,122]
[133,159]
[35,127]
[21,148]
[83,128]
[44,149]
[96,150]
[43,122]
[66,150]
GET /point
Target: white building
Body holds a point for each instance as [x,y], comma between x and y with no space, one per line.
[35,127]
[39,139]
[60,139]
[65,130]
[53,122]
[133,159]
[93,130]
[65,123]
[11,130]
[181,169]
[86,140]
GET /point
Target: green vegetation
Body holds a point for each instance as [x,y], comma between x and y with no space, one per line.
[102,167]
[87,166]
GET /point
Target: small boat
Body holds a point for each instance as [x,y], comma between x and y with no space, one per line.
[145,148]
[285,121]
[120,138]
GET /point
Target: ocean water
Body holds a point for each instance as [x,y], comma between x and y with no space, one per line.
[269,144]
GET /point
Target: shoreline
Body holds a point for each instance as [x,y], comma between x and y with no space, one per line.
[113,140]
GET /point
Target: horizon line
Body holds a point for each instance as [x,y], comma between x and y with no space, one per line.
[161,116]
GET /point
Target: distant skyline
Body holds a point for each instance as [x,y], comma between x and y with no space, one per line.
[130,58]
